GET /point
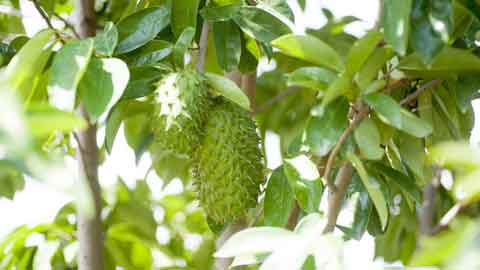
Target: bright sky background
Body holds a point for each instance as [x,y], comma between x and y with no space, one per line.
[38,203]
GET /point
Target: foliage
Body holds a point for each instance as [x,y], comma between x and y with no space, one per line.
[378,122]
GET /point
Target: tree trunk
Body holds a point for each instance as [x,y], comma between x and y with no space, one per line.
[89,226]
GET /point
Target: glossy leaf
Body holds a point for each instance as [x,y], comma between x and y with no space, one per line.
[361,51]
[373,189]
[221,13]
[467,187]
[305,181]
[388,110]
[103,85]
[27,63]
[396,24]
[141,27]
[184,15]
[261,24]
[368,140]
[372,67]
[339,87]
[106,41]
[228,89]
[43,120]
[142,82]
[405,183]
[448,62]
[279,199]
[323,132]
[311,77]
[441,18]
[424,39]
[182,45]
[227,40]
[68,68]
[151,53]
[310,49]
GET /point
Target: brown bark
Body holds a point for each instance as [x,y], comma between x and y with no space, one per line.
[89,234]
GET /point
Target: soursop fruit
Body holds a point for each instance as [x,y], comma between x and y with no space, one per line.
[182,103]
[228,166]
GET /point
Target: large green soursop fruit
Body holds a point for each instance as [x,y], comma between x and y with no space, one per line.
[182,105]
[228,166]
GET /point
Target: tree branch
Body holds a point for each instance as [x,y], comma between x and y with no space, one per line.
[90,236]
[413,96]
[335,199]
[427,212]
[293,217]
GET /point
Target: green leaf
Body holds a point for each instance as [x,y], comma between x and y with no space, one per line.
[103,85]
[373,189]
[368,140]
[11,179]
[448,62]
[184,15]
[138,133]
[441,18]
[455,156]
[412,151]
[261,24]
[280,6]
[106,41]
[361,51]
[304,179]
[311,77]
[310,49]
[43,120]
[373,66]
[141,27]
[228,89]
[182,45]
[152,53]
[415,126]
[396,24]
[323,132]
[142,82]
[361,216]
[388,110]
[279,199]
[424,39]
[227,44]
[405,183]
[340,86]
[27,63]
[222,13]
[68,68]
[467,86]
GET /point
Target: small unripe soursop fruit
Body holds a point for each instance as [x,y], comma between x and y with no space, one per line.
[182,105]
[228,166]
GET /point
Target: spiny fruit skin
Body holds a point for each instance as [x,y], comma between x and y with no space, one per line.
[181,108]
[228,166]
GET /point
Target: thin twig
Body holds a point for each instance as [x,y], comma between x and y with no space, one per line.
[362,113]
[47,19]
[67,24]
[276,99]
[419,91]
